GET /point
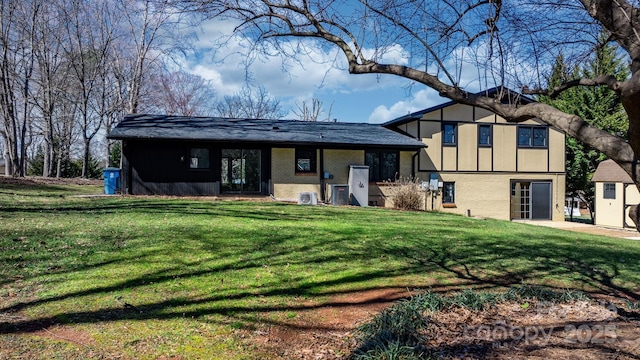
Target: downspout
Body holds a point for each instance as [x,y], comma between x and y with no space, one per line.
[413,174]
[322,180]
[624,206]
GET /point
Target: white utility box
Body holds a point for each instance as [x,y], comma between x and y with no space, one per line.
[359,185]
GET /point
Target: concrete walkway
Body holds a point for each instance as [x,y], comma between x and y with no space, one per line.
[586,228]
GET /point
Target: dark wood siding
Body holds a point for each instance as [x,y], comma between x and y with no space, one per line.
[162,168]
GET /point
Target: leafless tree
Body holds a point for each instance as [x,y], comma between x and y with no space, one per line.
[89,31]
[314,112]
[51,78]
[70,69]
[509,43]
[151,30]
[180,93]
[17,65]
[249,104]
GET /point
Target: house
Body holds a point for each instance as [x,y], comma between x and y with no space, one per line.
[177,155]
[615,193]
[477,163]
[471,161]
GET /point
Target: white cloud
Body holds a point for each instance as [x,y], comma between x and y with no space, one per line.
[222,59]
[419,100]
[320,71]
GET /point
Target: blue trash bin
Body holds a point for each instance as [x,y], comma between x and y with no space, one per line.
[111,180]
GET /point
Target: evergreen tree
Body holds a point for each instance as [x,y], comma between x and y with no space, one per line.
[114,156]
[598,106]
[70,168]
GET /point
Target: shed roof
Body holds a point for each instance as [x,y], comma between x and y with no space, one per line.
[277,132]
[609,171]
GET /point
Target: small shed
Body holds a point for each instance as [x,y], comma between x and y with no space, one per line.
[615,193]
[572,207]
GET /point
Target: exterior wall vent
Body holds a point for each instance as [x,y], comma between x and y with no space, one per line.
[307,198]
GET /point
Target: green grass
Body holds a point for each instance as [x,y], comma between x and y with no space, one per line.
[152,277]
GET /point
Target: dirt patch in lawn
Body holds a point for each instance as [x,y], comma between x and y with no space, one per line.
[67,334]
[324,331]
[594,329]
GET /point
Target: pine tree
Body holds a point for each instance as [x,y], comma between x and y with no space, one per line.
[598,106]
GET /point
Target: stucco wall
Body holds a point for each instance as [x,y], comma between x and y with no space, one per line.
[503,155]
[505,148]
[430,134]
[467,147]
[458,112]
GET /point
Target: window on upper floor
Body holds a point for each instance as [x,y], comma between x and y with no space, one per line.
[532,136]
[383,164]
[449,134]
[306,160]
[609,191]
[484,135]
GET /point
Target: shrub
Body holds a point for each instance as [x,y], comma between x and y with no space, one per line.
[540,293]
[405,194]
[391,351]
[475,300]
[394,332]
[630,305]
[399,331]
[432,302]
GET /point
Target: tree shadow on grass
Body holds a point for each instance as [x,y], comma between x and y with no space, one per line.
[452,249]
[179,207]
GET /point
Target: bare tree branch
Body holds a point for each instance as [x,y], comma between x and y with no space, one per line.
[609,81]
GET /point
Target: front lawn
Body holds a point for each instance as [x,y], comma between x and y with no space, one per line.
[139,278]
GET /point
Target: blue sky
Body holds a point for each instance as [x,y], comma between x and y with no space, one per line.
[321,74]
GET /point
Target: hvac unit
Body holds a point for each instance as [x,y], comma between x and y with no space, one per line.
[308,198]
[339,194]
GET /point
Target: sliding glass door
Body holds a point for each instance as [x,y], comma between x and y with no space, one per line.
[240,171]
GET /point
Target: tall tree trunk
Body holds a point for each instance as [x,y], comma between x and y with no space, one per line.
[86,157]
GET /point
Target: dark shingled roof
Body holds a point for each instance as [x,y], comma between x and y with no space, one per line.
[277,132]
[609,171]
